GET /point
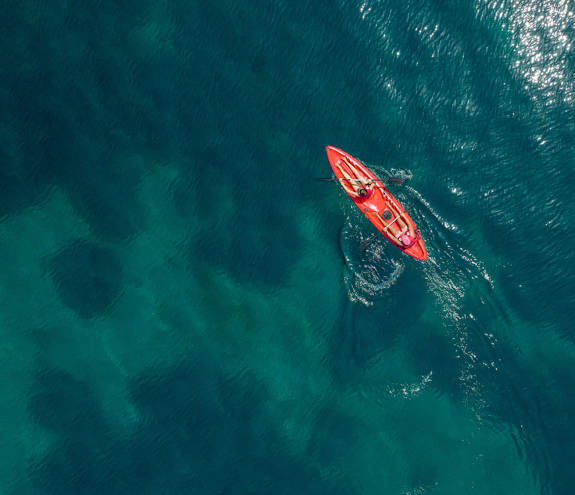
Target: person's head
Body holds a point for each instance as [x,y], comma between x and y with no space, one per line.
[407,240]
[386,215]
[362,192]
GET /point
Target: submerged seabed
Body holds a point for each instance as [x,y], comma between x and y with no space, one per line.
[184,310]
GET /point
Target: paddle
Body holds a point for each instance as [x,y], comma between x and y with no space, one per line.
[390,179]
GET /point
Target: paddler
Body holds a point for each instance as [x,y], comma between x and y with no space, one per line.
[404,236]
[358,185]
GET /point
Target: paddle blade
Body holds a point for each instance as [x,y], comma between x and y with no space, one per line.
[397,177]
[395,181]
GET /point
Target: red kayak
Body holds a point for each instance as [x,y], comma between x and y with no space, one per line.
[378,204]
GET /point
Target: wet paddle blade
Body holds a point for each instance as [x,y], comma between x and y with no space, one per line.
[396,181]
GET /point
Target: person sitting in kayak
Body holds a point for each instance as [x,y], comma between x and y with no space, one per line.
[358,185]
[405,235]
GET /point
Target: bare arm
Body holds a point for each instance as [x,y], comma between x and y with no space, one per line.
[358,173]
[347,184]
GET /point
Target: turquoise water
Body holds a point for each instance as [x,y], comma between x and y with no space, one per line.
[185,310]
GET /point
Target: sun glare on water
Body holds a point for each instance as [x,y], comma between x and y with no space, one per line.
[542,43]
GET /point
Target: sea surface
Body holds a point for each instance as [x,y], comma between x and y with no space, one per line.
[184,309]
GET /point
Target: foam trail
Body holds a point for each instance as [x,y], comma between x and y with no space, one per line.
[371,270]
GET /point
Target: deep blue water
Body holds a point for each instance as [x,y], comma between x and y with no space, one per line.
[186,310]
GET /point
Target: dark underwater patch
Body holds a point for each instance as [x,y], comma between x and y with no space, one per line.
[88,277]
[202,432]
[365,332]
[432,351]
[63,403]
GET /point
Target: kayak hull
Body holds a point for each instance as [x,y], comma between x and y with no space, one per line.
[377,202]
